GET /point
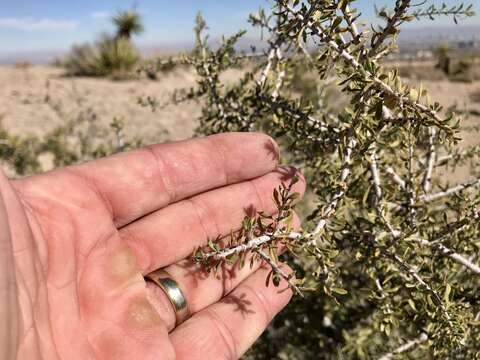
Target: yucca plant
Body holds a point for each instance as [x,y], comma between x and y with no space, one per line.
[110,56]
[114,56]
[128,23]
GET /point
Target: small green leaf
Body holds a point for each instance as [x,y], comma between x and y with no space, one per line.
[339,291]
[412,304]
[446,295]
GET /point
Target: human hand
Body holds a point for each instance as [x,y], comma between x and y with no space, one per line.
[83,237]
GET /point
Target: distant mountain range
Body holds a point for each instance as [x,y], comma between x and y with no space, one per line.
[433,35]
[424,37]
[34,57]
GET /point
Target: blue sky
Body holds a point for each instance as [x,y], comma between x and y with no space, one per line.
[37,25]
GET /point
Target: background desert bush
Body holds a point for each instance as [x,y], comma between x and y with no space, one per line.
[112,55]
[109,56]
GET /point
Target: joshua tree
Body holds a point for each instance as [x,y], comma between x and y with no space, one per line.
[128,23]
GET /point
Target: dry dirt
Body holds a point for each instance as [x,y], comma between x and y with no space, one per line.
[31,97]
[465,98]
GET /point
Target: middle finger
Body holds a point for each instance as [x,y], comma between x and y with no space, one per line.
[172,233]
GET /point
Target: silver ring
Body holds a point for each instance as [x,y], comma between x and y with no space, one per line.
[174,294]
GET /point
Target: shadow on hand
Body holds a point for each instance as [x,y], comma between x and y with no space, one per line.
[272,149]
[241,303]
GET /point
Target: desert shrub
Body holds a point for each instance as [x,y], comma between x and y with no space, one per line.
[114,57]
[462,72]
[390,247]
[475,97]
[80,137]
[23,65]
[455,68]
[82,61]
[19,151]
[421,72]
[152,67]
[442,53]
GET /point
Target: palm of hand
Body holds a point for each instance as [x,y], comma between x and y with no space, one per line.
[83,238]
[93,285]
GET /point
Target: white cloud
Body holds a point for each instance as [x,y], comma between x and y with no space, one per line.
[101,14]
[33,24]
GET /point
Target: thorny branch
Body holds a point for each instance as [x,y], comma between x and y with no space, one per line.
[319,31]
[356,153]
[405,347]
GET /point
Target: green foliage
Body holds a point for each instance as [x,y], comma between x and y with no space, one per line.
[457,12]
[80,138]
[444,59]
[151,68]
[19,152]
[259,239]
[391,246]
[454,69]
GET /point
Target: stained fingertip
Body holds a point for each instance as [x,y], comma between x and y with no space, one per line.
[243,147]
[288,173]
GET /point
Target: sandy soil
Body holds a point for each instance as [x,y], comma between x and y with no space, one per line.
[36,99]
[460,96]
[32,97]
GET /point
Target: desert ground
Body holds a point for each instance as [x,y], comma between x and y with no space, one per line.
[36,99]
[31,97]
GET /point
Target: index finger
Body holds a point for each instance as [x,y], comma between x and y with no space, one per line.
[139,182]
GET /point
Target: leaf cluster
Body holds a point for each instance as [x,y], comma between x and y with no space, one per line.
[389,238]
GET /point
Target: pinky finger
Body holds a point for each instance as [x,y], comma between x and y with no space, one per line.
[226,329]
